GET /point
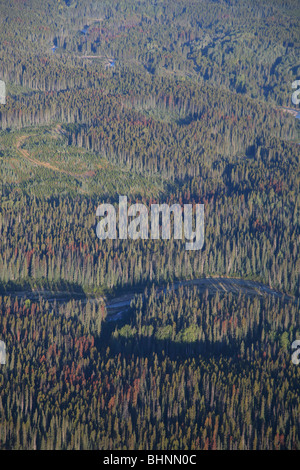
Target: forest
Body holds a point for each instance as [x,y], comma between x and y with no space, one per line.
[177,103]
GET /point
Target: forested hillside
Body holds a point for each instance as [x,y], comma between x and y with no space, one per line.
[177,102]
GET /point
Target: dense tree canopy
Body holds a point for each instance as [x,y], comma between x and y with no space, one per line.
[164,102]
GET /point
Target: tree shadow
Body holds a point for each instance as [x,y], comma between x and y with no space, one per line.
[144,346]
[34,289]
